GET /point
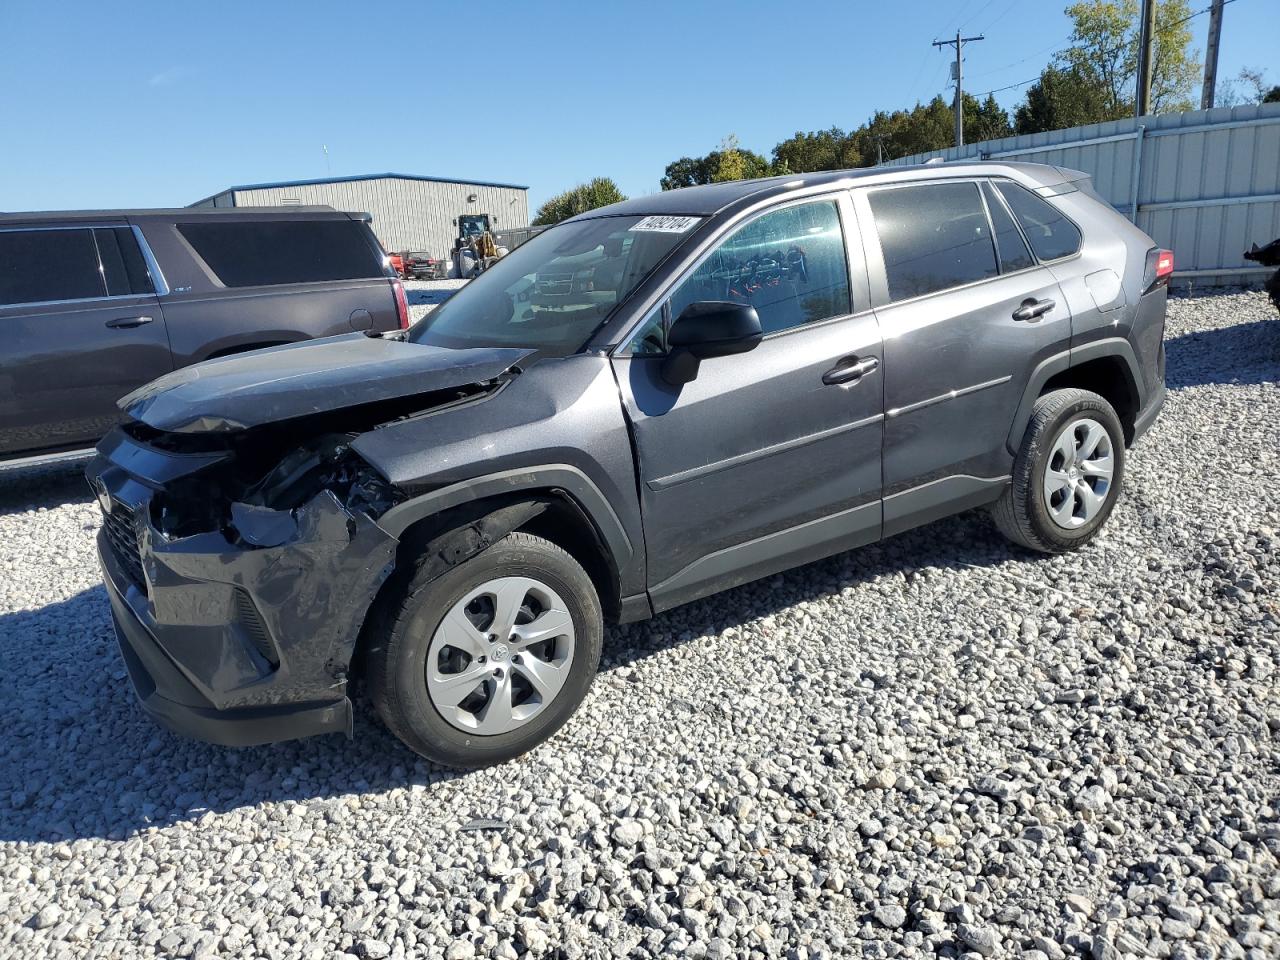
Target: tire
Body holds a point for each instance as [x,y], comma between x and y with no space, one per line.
[1034,511]
[402,661]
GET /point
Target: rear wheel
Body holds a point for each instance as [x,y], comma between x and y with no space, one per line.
[1067,474]
[487,660]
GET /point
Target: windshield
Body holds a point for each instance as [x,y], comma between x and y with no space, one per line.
[551,293]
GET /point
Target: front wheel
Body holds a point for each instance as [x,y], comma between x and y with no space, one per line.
[1067,474]
[485,661]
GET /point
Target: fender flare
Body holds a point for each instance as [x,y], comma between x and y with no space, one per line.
[1046,369]
[552,476]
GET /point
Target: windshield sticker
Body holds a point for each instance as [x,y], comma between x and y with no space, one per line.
[666,224]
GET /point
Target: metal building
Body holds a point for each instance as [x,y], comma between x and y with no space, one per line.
[409,212]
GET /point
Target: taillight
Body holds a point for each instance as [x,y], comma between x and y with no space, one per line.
[402,304]
[1159,268]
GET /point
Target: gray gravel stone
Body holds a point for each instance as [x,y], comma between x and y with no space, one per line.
[936,745]
[629,832]
[890,915]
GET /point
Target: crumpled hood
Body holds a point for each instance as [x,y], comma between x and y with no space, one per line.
[317,376]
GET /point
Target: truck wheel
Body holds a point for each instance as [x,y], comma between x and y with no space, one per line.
[1067,474]
[487,660]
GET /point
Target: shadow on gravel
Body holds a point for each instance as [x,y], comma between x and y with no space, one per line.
[81,759]
[31,488]
[1248,353]
[422,298]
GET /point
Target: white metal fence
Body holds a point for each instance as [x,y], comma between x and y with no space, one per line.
[1205,184]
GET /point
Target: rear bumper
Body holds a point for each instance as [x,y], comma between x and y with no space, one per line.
[1147,415]
[177,704]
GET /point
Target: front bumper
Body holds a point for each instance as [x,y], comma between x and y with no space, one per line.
[176,703]
[226,642]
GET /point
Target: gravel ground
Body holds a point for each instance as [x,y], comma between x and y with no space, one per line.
[936,745]
[425,295]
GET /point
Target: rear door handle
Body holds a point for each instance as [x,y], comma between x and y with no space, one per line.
[126,323]
[849,370]
[1032,310]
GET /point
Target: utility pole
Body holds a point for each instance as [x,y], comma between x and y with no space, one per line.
[1145,47]
[958,70]
[1211,56]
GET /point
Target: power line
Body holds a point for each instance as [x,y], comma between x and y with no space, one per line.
[961,11]
[1000,16]
[1023,83]
[1066,40]
[915,82]
[1030,56]
[1020,83]
[1192,16]
[975,15]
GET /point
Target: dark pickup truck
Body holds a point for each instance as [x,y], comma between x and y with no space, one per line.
[95,304]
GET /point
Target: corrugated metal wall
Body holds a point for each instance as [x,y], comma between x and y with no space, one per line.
[1205,184]
[407,214]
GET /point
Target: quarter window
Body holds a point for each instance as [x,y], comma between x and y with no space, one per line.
[933,236]
[123,268]
[1010,246]
[790,265]
[39,265]
[268,252]
[1051,235]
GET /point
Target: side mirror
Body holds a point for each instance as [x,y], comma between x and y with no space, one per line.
[709,328]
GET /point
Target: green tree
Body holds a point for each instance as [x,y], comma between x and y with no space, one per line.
[823,150]
[730,162]
[686,172]
[1175,68]
[1104,49]
[1249,86]
[1063,97]
[925,127]
[595,193]
[986,120]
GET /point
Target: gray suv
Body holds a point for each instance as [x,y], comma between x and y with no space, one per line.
[95,304]
[639,407]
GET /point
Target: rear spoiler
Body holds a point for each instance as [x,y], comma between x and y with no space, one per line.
[1072,180]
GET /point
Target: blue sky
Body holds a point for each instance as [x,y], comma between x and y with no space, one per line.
[156,104]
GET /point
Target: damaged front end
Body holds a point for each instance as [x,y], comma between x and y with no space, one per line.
[240,568]
[241,544]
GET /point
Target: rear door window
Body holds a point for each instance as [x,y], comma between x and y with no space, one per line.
[1010,246]
[933,236]
[40,265]
[1051,235]
[270,252]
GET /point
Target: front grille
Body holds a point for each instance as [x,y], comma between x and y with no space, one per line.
[122,533]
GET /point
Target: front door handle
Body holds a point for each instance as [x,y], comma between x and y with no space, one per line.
[1031,309]
[127,323]
[849,370]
